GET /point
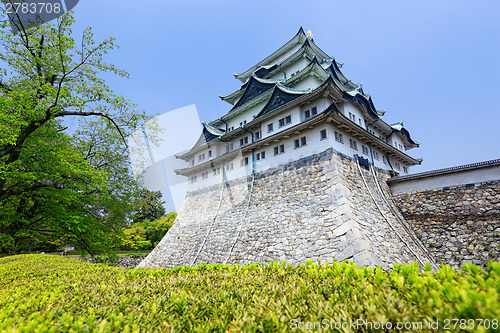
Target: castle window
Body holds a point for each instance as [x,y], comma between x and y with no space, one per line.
[300,142]
[258,135]
[244,161]
[383,159]
[241,142]
[307,114]
[398,166]
[244,141]
[192,162]
[192,179]
[201,157]
[353,144]
[269,128]
[279,149]
[322,134]
[209,153]
[242,123]
[405,169]
[376,156]
[229,147]
[365,150]
[401,147]
[257,156]
[263,154]
[360,122]
[229,166]
[339,137]
[285,121]
[232,128]
[216,171]
[204,175]
[314,111]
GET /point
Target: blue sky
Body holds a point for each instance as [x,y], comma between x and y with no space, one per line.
[433,64]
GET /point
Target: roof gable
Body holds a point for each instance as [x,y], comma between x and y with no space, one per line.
[253,88]
[279,97]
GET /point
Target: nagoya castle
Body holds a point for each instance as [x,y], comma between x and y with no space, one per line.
[295,170]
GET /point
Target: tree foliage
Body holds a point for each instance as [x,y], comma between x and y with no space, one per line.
[57,186]
[147,234]
[148,206]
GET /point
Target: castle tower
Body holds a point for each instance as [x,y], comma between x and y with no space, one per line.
[295,170]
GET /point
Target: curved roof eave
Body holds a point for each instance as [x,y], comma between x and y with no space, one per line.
[232,97]
[362,101]
[210,132]
[399,128]
[318,50]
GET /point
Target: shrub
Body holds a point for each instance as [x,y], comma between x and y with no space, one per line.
[50,293]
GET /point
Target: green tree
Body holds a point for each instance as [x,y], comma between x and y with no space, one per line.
[148,206]
[53,184]
[135,238]
[146,234]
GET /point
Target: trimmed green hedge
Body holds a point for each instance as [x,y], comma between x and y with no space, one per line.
[41,293]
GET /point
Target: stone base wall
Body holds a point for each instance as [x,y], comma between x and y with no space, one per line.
[457,224]
[315,208]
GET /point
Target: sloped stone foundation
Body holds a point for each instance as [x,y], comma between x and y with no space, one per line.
[315,208]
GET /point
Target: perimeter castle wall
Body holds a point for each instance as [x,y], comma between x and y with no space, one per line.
[454,211]
[320,207]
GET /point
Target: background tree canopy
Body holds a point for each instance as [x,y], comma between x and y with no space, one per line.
[56,185]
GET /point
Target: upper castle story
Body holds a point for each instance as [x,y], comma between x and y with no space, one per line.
[294,103]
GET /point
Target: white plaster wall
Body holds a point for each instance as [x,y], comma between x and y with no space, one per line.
[354,109]
[247,115]
[380,163]
[461,177]
[321,104]
[346,149]
[396,138]
[314,145]
[299,65]
[311,82]
[294,112]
